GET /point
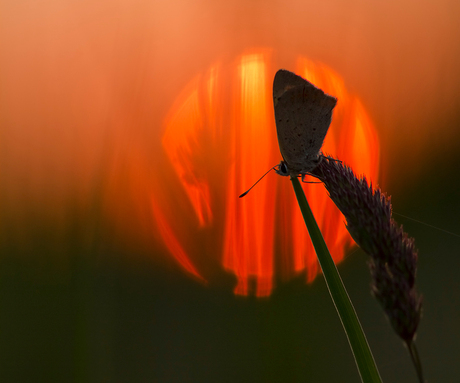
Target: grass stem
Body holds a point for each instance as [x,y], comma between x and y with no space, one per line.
[355,334]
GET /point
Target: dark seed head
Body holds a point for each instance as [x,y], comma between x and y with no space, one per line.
[393,258]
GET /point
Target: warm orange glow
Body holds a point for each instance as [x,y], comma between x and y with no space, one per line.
[181,143]
[248,244]
[220,137]
[172,243]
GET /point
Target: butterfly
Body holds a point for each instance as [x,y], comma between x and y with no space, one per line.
[303,114]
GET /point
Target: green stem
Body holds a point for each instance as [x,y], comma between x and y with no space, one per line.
[356,338]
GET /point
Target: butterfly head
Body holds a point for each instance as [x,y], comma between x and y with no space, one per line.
[282,169]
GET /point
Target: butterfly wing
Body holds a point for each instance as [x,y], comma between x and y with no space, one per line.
[303,114]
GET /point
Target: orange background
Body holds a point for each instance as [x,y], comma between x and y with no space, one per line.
[88,290]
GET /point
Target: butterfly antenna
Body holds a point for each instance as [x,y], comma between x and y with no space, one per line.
[247,191]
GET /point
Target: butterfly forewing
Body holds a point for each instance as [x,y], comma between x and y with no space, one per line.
[303,114]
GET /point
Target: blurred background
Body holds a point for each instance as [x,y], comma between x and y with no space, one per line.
[109,272]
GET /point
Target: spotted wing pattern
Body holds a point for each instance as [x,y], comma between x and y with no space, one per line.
[303,114]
